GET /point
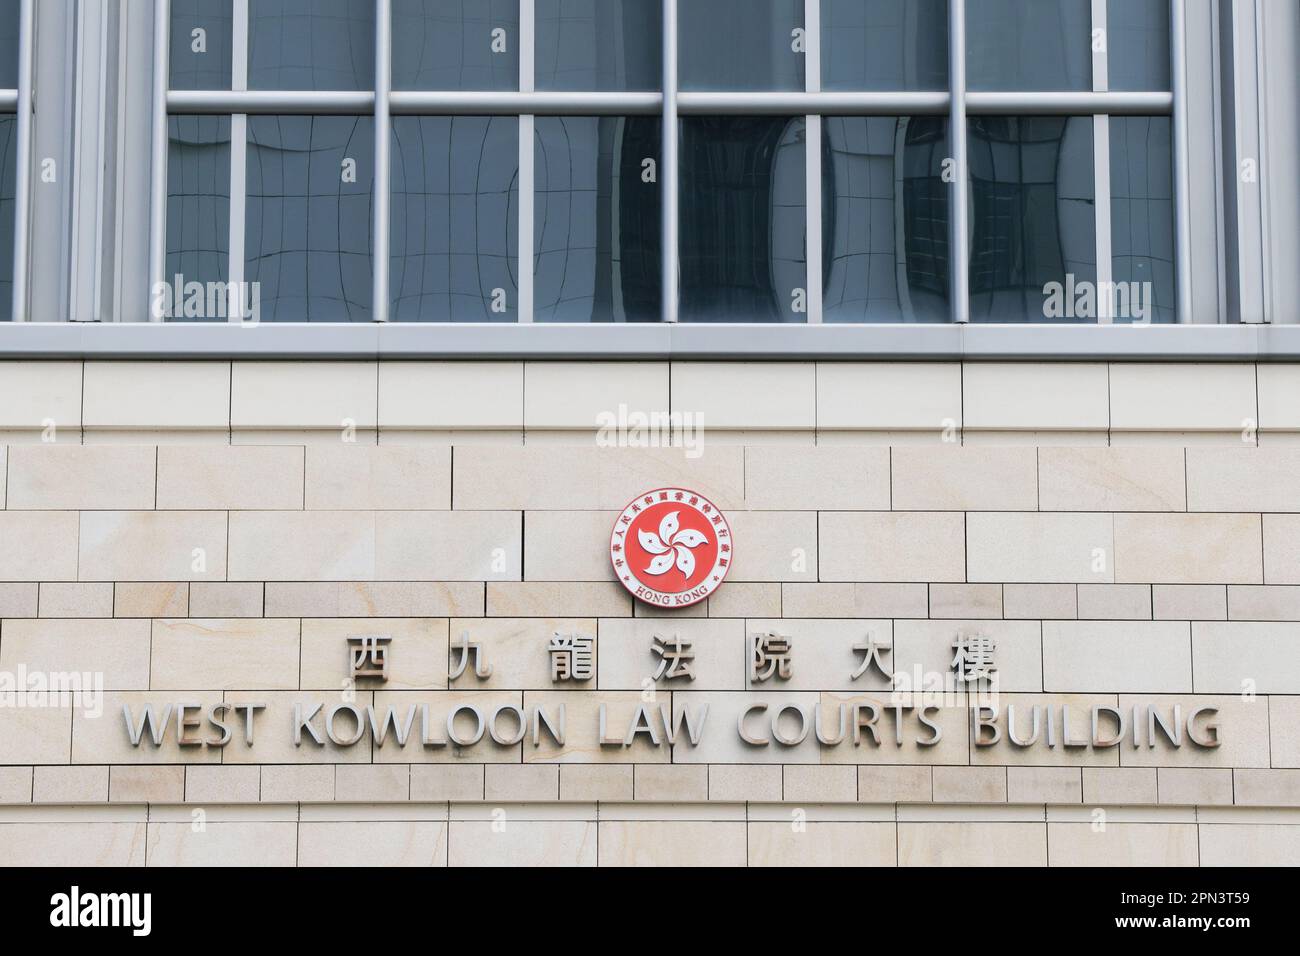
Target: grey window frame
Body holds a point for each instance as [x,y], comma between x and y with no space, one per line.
[19,101]
[1234,240]
[527,103]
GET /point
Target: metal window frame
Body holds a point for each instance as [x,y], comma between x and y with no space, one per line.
[1243,255]
[813,247]
[959,194]
[957,103]
[20,101]
[89,166]
[158,155]
[527,160]
[670,103]
[1181,157]
[238,155]
[1101,163]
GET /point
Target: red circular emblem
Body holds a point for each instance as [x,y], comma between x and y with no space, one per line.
[671,547]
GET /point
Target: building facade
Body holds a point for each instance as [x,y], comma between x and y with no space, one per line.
[329,534]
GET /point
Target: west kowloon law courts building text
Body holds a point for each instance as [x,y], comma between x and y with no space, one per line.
[631,432]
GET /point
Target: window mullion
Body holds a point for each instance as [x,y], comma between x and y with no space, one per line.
[383,168]
[527,83]
[238,157]
[23,172]
[813,163]
[158,153]
[668,171]
[1101,192]
[959,241]
[1100,51]
[1182,159]
[1101,164]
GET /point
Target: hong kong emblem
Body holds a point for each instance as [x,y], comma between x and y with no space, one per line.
[671,547]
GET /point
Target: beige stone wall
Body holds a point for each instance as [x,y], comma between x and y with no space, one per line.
[747,403]
[626,834]
[1126,533]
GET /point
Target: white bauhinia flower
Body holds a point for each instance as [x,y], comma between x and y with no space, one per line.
[671,546]
[660,564]
[651,542]
[668,527]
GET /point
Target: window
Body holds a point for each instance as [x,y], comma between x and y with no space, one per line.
[1138,44]
[311,45]
[1142,211]
[455,44]
[741,45]
[743,194]
[885,219]
[828,168]
[455,254]
[198,201]
[884,45]
[1071,215]
[597,220]
[9,15]
[1029,45]
[310,181]
[200,49]
[1034,221]
[599,45]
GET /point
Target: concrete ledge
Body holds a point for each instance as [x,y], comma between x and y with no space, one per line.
[1192,343]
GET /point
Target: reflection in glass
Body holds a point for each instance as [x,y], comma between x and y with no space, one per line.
[198,201]
[9,44]
[1137,37]
[1018,45]
[311,45]
[202,61]
[884,44]
[740,45]
[1142,213]
[455,44]
[597,45]
[307,238]
[1033,214]
[597,220]
[885,219]
[743,222]
[8,179]
[455,223]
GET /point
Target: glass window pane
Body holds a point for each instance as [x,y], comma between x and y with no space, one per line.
[1142,218]
[739,45]
[311,45]
[884,44]
[599,45]
[743,219]
[307,238]
[1137,44]
[596,223]
[199,58]
[885,219]
[1029,44]
[1033,215]
[8,177]
[9,44]
[456,44]
[198,211]
[455,219]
